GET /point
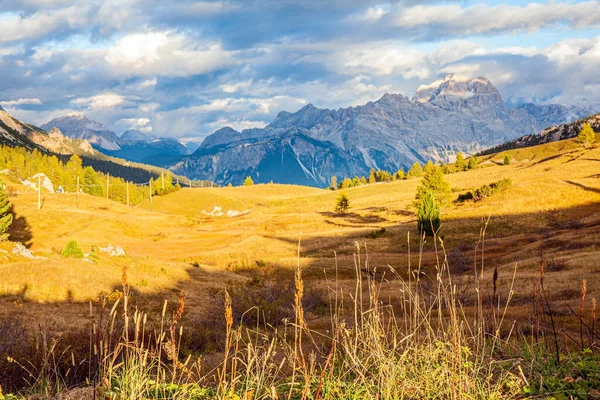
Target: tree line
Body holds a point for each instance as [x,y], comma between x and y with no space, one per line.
[415,171]
[70,175]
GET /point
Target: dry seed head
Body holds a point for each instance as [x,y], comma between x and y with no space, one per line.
[228,310]
[124,277]
[583,292]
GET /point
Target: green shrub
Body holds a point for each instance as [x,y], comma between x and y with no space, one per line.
[428,215]
[506,160]
[72,250]
[486,191]
[375,234]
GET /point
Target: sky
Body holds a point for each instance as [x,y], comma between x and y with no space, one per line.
[184,69]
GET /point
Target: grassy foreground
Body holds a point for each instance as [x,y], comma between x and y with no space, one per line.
[349,311]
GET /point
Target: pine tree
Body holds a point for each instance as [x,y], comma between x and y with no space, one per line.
[400,174]
[91,183]
[6,217]
[460,163]
[428,167]
[415,171]
[428,215]
[342,204]
[473,162]
[586,136]
[434,182]
[372,178]
[506,160]
[248,181]
[333,184]
[346,183]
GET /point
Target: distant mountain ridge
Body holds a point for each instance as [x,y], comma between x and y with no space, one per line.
[133,145]
[309,146]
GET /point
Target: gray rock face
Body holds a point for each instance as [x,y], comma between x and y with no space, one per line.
[309,146]
[79,127]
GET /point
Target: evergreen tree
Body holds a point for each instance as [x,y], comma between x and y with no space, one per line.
[91,183]
[363,180]
[506,160]
[428,215]
[586,136]
[434,182]
[460,163]
[342,204]
[428,167]
[333,184]
[6,217]
[248,181]
[473,162]
[346,183]
[372,178]
[415,171]
[400,174]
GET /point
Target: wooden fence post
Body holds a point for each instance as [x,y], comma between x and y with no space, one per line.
[39,192]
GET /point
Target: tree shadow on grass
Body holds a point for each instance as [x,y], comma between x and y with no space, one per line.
[20,230]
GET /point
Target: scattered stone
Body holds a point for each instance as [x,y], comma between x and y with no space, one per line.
[236,213]
[216,212]
[23,251]
[115,251]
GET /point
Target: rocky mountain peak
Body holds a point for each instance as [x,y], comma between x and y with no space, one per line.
[455,86]
[77,126]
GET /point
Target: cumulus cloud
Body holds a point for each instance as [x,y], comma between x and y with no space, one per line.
[165,53]
[103,100]
[482,18]
[16,26]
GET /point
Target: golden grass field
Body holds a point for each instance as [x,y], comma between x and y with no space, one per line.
[553,204]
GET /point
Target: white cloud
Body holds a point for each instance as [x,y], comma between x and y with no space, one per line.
[141,124]
[234,87]
[104,100]
[21,27]
[21,102]
[374,58]
[483,18]
[165,53]
[238,125]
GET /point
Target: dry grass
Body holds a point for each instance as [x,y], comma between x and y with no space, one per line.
[166,238]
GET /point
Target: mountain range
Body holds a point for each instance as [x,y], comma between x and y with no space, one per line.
[132,145]
[311,145]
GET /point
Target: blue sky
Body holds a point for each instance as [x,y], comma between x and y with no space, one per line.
[186,68]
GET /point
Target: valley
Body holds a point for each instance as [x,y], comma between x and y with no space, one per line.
[551,212]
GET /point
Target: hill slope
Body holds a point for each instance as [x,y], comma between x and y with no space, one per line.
[552,134]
